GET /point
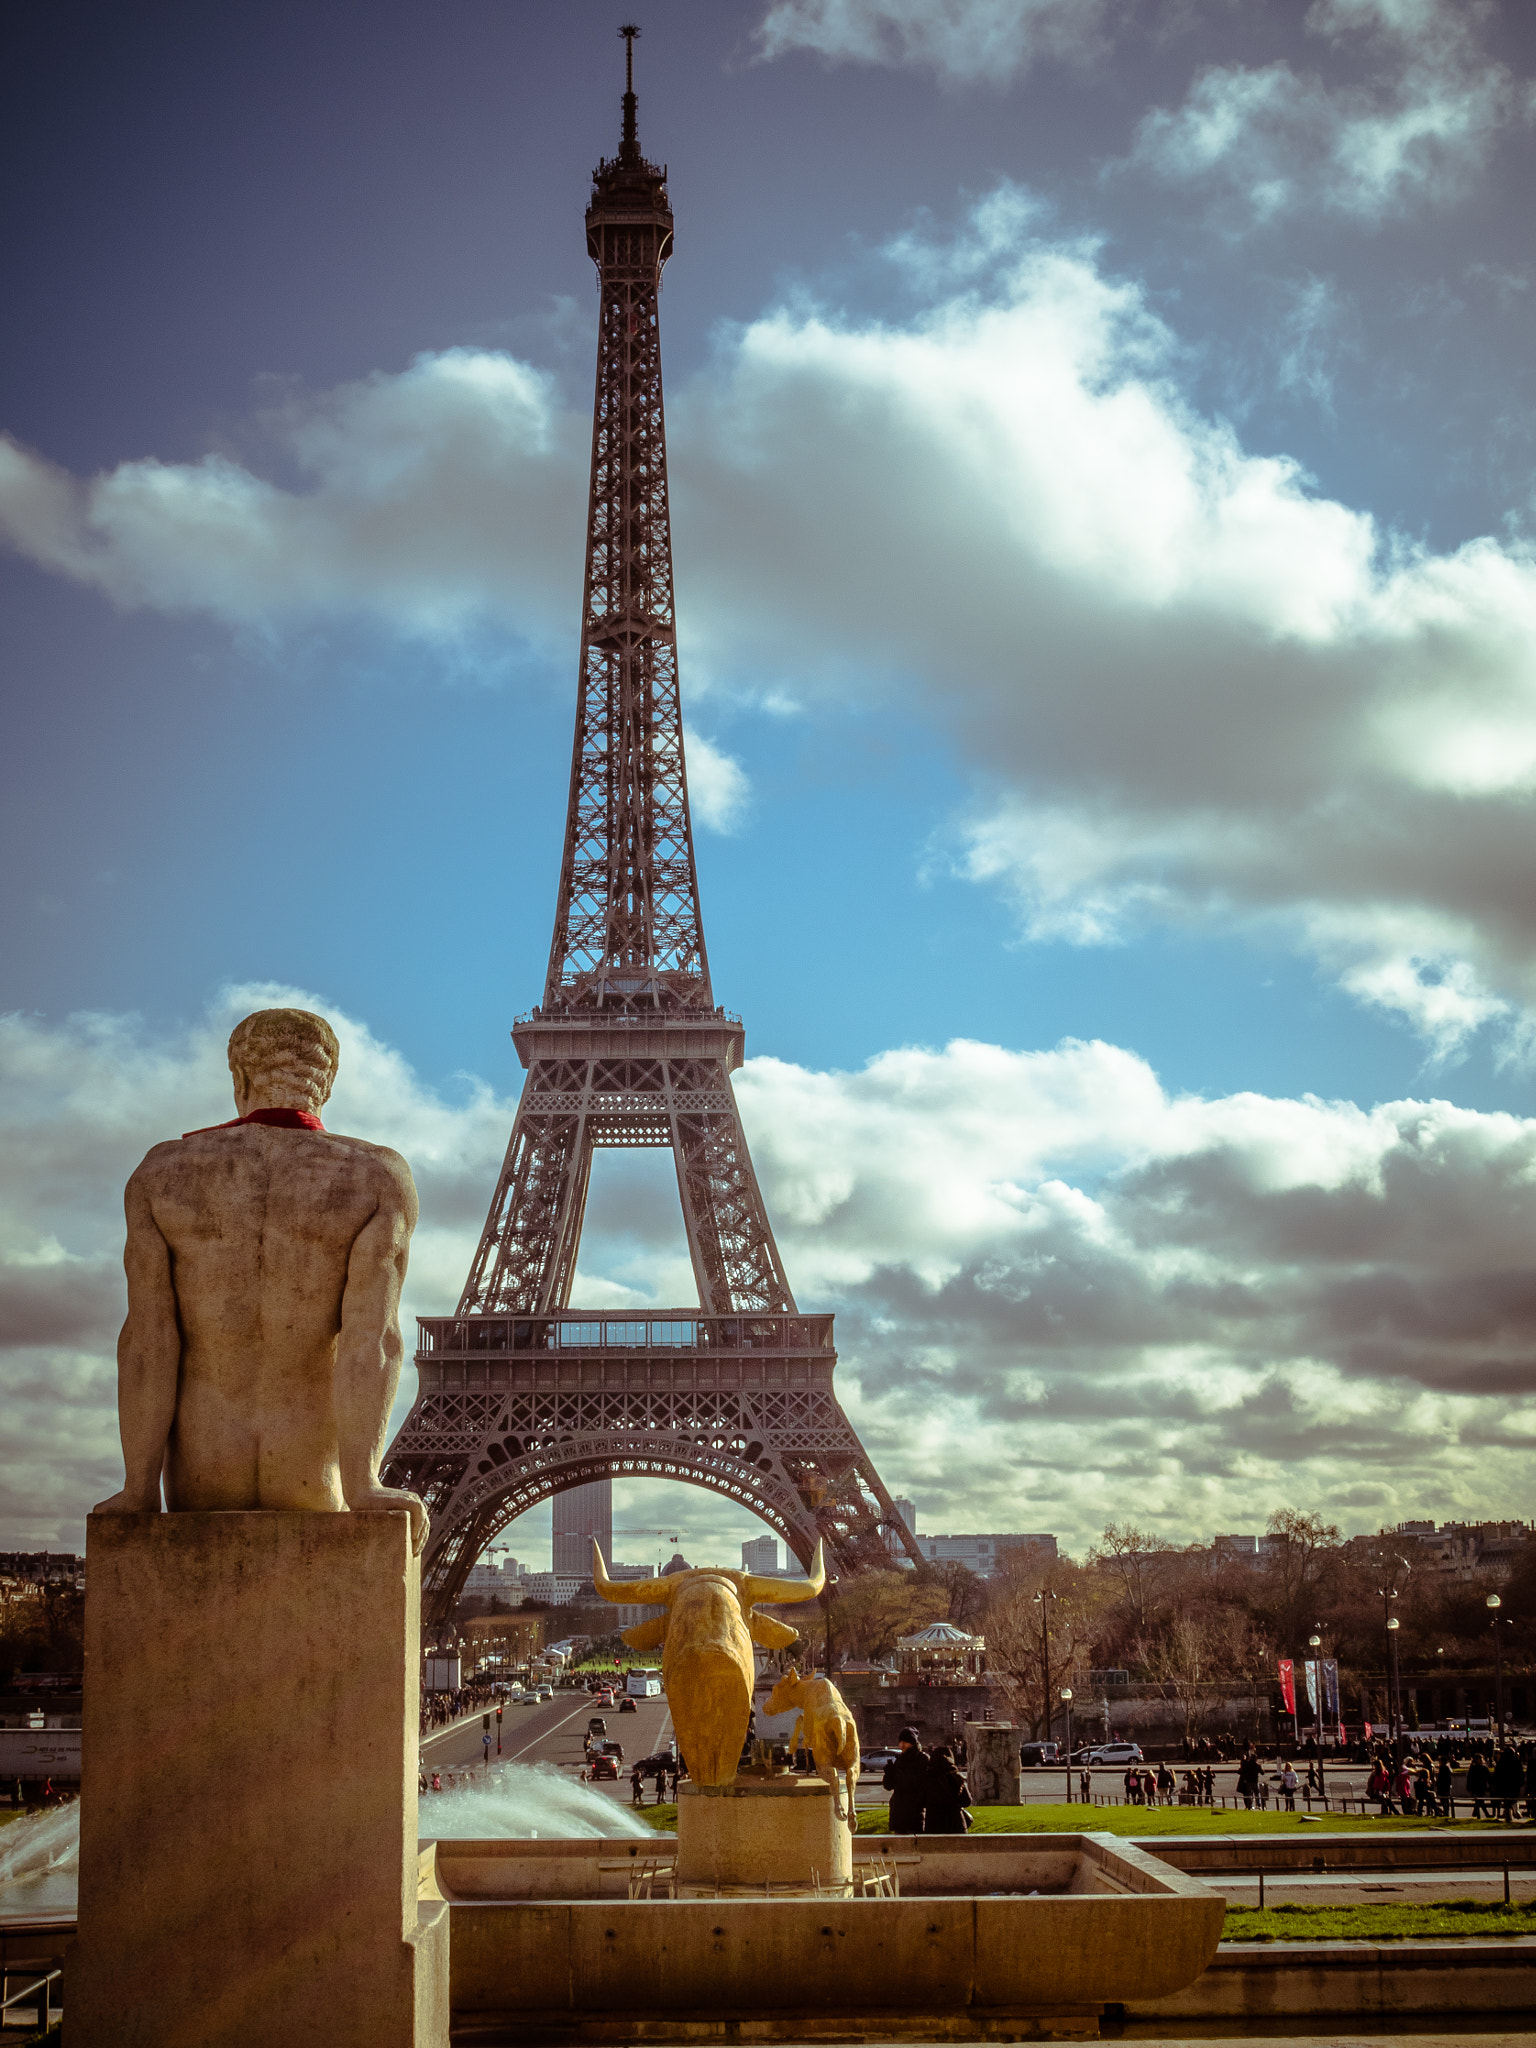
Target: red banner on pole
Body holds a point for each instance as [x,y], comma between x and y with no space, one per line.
[1288,1685]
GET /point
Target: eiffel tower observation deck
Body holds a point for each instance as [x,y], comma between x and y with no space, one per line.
[522,1396]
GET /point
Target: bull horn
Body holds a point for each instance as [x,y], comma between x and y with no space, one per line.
[626,1592]
[781,1592]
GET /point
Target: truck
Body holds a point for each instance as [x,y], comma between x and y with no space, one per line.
[643,1685]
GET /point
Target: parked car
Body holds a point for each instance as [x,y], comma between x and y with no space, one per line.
[604,1766]
[1033,1754]
[627,1706]
[1121,1753]
[875,1760]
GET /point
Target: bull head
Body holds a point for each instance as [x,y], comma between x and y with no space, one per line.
[658,1592]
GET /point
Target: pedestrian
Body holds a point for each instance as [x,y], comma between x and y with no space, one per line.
[906,1779]
[1508,1781]
[1289,1785]
[1479,1786]
[1445,1793]
[636,1787]
[946,1809]
[660,1775]
[437,1781]
[1165,1784]
[1085,1785]
[1248,1778]
[1132,1786]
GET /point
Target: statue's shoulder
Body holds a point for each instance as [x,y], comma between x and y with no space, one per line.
[386,1164]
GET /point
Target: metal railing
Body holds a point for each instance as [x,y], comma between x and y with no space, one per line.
[676,1329]
[43,2015]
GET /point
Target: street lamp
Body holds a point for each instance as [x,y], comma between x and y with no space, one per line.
[1315,1644]
[1066,1700]
[1390,1592]
[1494,1603]
[1045,1654]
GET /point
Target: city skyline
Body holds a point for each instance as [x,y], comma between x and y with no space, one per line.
[1102,484]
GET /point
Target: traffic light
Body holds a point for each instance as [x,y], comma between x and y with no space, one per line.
[498,1717]
[485,1720]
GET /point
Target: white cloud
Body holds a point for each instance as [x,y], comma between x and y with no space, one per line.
[1417,130]
[1188,686]
[1063,1294]
[964,41]
[718,787]
[431,497]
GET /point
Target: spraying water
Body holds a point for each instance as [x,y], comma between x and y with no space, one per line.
[527,1802]
[40,1862]
[40,1854]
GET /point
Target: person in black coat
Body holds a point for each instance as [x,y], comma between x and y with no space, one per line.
[906,1779]
[948,1795]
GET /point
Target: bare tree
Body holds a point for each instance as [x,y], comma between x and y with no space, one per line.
[1182,1660]
[1138,1564]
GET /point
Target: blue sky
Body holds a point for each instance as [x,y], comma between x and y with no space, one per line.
[1102,439]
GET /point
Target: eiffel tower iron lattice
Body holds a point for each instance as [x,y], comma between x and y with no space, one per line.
[520,1396]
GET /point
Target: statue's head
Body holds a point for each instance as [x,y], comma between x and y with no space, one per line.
[283,1058]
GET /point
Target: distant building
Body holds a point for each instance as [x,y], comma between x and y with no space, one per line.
[42,1568]
[580,1514]
[489,1580]
[984,1555]
[558,1588]
[1244,1549]
[907,1511]
[1466,1550]
[761,1555]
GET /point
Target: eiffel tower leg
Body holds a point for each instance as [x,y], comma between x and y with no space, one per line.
[735,1259]
[527,1252]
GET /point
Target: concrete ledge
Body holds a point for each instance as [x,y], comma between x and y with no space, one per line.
[1478,1848]
[1252,1980]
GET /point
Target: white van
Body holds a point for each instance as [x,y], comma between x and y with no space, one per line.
[643,1685]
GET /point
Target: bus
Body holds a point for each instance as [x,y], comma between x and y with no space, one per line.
[643,1685]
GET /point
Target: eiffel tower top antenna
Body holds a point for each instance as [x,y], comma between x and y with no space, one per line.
[629,148]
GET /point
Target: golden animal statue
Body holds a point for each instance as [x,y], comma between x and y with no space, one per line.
[826,1728]
[705,1637]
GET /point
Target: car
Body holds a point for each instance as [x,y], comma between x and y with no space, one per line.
[597,1725]
[605,1766]
[876,1759]
[614,1749]
[605,1697]
[1033,1754]
[545,1692]
[526,1699]
[627,1706]
[1121,1753]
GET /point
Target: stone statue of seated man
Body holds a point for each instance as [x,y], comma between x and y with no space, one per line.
[265,1259]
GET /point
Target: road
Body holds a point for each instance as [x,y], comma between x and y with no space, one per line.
[550,1733]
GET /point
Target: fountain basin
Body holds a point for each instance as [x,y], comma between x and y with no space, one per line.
[994,1937]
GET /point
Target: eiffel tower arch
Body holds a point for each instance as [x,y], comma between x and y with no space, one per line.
[520,1395]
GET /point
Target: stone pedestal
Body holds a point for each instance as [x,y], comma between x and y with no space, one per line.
[248,1865]
[761,1831]
[993,1771]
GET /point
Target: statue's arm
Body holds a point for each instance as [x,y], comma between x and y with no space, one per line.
[369,1349]
[148,1359]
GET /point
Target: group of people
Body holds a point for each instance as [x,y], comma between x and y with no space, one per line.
[664,1773]
[1498,1784]
[929,1795]
[439,1708]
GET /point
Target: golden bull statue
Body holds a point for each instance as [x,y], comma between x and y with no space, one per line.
[826,1728]
[705,1636]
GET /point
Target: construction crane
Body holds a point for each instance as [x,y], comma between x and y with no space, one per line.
[667,1534]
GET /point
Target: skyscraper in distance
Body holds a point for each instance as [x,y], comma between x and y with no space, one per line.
[581,1513]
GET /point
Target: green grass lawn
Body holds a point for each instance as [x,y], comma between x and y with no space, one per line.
[1142,1821]
[1159,1820]
[1460,1917]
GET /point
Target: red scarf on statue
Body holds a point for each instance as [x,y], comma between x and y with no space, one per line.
[283,1119]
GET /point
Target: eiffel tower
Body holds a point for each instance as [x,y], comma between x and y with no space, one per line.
[520,1395]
